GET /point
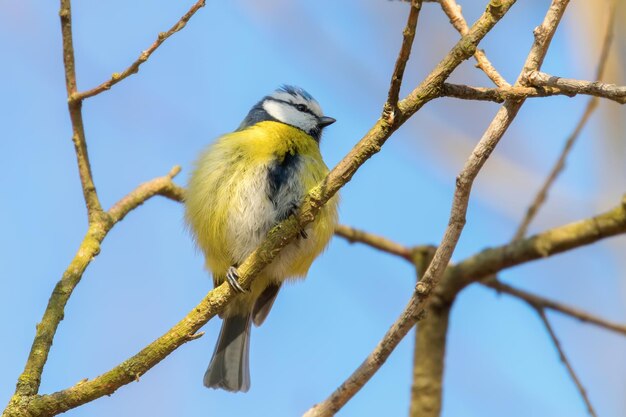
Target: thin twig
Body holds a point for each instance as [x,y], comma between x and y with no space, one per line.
[94,209]
[405,51]
[381,243]
[592,104]
[565,360]
[546,303]
[143,57]
[542,87]
[29,381]
[499,94]
[617,93]
[453,11]
[541,303]
[560,163]
[159,186]
[410,315]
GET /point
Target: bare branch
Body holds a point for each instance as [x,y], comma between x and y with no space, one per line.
[545,303]
[412,312]
[484,148]
[158,186]
[131,369]
[94,209]
[541,303]
[378,242]
[385,245]
[30,379]
[592,104]
[568,85]
[428,356]
[453,11]
[550,242]
[278,237]
[403,57]
[566,362]
[143,57]
[500,94]
[369,145]
[473,269]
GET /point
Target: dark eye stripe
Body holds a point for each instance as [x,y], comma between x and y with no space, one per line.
[295,105]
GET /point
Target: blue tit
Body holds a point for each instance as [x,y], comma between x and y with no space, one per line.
[244,184]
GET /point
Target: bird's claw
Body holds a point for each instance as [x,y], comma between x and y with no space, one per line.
[232,276]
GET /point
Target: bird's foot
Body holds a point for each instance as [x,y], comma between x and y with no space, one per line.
[232,276]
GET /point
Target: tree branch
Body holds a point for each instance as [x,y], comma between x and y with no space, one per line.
[453,11]
[159,186]
[550,242]
[545,303]
[30,379]
[428,356]
[385,245]
[94,209]
[378,242]
[542,195]
[415,307]
[500,94]
[568,85]
[566,361]
[143,57]
[131,369]
[405,51]
[278,237]
[495,10]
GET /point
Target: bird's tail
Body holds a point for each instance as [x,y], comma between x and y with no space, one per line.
[229,368]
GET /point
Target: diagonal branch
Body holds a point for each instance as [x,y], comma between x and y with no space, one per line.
[499,94]
[94,209]
[592,104]
[415,308]
[495,10]
[403,57]
[143,57]
[370,144]
[163,186]
[550,242]
[30,379]
[388,246]
[278,237]
[545,303]
[453,11]
[565,360]
[617,93]
[378,242]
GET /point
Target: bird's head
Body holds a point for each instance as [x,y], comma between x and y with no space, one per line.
[293,106]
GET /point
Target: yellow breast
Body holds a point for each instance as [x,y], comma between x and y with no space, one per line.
[228,204]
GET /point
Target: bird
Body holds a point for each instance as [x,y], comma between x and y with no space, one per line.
[242,185]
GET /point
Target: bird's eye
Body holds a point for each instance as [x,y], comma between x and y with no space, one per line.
[301,107]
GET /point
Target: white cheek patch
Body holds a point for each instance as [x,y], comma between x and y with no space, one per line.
[288,114]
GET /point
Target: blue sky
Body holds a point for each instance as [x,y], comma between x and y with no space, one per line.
[200,84]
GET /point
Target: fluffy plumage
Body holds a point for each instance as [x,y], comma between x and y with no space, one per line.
[243,185]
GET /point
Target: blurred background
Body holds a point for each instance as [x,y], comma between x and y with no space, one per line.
[200,84]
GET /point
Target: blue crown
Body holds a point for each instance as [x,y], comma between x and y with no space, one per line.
[295,91]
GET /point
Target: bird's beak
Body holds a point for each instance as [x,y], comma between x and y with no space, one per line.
[326,121]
